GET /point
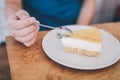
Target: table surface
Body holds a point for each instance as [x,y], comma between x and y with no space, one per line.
[33,64]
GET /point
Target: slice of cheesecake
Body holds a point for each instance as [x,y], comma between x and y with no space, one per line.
[87,42]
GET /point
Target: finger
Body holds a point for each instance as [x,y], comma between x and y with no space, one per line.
[25,23]
[22,14]
[30,42]
[24,32]
[26,38]
[13,16]
[38,27]
[11,20]
[37,22]
[20,24]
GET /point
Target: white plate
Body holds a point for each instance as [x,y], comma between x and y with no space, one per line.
[109,55]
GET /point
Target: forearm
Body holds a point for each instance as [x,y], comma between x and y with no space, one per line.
[12,6]
[87,13]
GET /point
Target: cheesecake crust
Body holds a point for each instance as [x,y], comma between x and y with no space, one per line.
[81,51]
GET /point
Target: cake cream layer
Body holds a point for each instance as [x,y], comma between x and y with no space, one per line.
[81,44]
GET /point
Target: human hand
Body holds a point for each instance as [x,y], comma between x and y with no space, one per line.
[22,27]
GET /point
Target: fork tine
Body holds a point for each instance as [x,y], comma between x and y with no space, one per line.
[67,29]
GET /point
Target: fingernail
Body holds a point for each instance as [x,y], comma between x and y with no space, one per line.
[32,19]
[37,21]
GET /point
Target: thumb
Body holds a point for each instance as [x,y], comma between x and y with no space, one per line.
[22,14]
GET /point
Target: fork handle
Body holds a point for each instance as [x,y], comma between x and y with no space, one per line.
[50,27]
[43,25]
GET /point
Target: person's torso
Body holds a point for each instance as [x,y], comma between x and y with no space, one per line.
[54,12]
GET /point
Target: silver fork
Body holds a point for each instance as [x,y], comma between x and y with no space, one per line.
[51,27]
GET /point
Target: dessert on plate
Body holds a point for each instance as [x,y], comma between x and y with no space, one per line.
[86,42]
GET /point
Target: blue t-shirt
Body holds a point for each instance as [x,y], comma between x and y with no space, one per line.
[54,12]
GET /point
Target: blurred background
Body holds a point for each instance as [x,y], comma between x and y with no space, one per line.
[106,11]
[3,29]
